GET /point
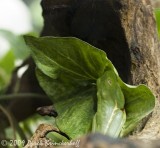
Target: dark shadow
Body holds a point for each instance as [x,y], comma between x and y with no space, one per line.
[94,21]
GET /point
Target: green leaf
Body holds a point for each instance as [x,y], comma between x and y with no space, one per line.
[64,75]
[7,62]
[86,89]
[57,138]
[17,44]
[157,14]
[139,102]
[56,55]
[74,104]
[75,114]
[6,67]
[110,115]
[60,88]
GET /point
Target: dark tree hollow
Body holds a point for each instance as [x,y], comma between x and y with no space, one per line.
[94,21]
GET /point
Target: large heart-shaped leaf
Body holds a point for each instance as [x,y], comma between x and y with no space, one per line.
[110,115]
[56,55]
[75,105]
[71,72]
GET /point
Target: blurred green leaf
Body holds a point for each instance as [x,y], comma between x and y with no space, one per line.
[7,62]
[37,18]
[6,68]
[17,44]
[36,11]
[157,14]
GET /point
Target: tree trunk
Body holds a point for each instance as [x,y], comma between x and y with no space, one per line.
[140,30]
[125,30]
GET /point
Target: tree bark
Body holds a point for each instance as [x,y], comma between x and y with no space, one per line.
[125,30]
[140,30]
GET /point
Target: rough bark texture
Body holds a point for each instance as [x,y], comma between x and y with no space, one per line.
[140,30]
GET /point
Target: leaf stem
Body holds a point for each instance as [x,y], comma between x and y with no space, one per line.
[21,95]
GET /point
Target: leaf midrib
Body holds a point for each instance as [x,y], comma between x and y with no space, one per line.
[91,77]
